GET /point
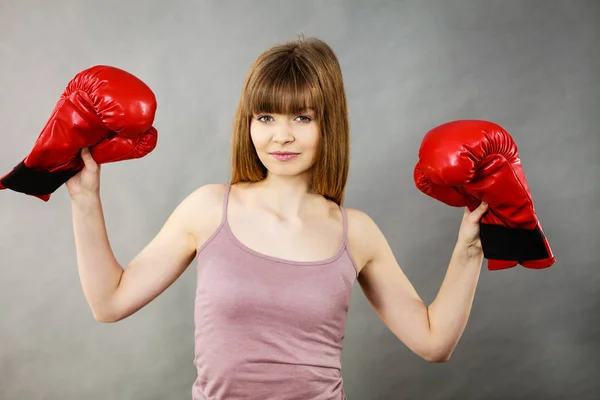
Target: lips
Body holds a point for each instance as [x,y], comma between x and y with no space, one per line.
[284,155]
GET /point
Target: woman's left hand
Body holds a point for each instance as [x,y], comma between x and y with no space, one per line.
[468,234]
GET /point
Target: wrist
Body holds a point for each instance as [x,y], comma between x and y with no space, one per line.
[468,252]
[85,202]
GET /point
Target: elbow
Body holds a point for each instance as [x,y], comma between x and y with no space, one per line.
[437,358]
[105,317]
[437,355]
[107,311]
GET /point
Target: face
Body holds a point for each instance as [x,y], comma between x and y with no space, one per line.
[285,144]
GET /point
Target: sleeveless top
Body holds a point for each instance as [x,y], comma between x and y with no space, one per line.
[268,328]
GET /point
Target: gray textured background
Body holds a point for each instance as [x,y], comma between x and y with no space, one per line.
[531,66]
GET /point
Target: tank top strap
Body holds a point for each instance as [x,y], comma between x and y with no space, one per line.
[225,203]
[345,224]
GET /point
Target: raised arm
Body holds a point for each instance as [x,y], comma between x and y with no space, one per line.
[433,331]
[114,292]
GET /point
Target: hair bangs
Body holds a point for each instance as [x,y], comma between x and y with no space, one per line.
[286,88]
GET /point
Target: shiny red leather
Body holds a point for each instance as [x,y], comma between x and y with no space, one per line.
[104,108]
[462,163]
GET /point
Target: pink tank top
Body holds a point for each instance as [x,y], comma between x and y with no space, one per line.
[268,328]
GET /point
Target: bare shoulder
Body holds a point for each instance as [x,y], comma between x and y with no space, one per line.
[207,195]
[364,236]
[201,211]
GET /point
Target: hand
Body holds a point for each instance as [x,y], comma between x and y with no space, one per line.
[87,181]
[468,234]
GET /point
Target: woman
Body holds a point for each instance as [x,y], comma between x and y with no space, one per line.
[276,252]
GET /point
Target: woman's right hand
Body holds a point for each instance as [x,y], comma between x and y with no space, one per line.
[86,183]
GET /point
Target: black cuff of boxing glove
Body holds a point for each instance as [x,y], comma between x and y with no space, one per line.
[512,244]
[34,182]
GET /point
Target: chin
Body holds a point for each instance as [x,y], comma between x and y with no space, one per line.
[289,170]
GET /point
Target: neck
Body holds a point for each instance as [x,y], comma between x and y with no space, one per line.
[288,197]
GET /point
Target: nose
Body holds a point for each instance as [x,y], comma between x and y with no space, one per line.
[283,134]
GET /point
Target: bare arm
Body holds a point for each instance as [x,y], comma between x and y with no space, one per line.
[450,310]
[114,292]
[431,332]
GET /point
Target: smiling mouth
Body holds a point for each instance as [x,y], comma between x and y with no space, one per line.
[284,155]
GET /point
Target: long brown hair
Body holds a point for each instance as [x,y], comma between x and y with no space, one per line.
[286,79]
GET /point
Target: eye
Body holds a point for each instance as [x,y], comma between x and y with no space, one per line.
[264,118]
[304,118]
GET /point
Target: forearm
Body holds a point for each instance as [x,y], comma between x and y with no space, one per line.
[99,271]
[449,312]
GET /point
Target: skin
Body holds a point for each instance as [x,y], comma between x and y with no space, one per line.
[285,221]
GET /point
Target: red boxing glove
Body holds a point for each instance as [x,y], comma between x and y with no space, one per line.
[103,108]
[462,163]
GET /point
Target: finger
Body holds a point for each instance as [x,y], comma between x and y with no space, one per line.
[86,155]
[480,210]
